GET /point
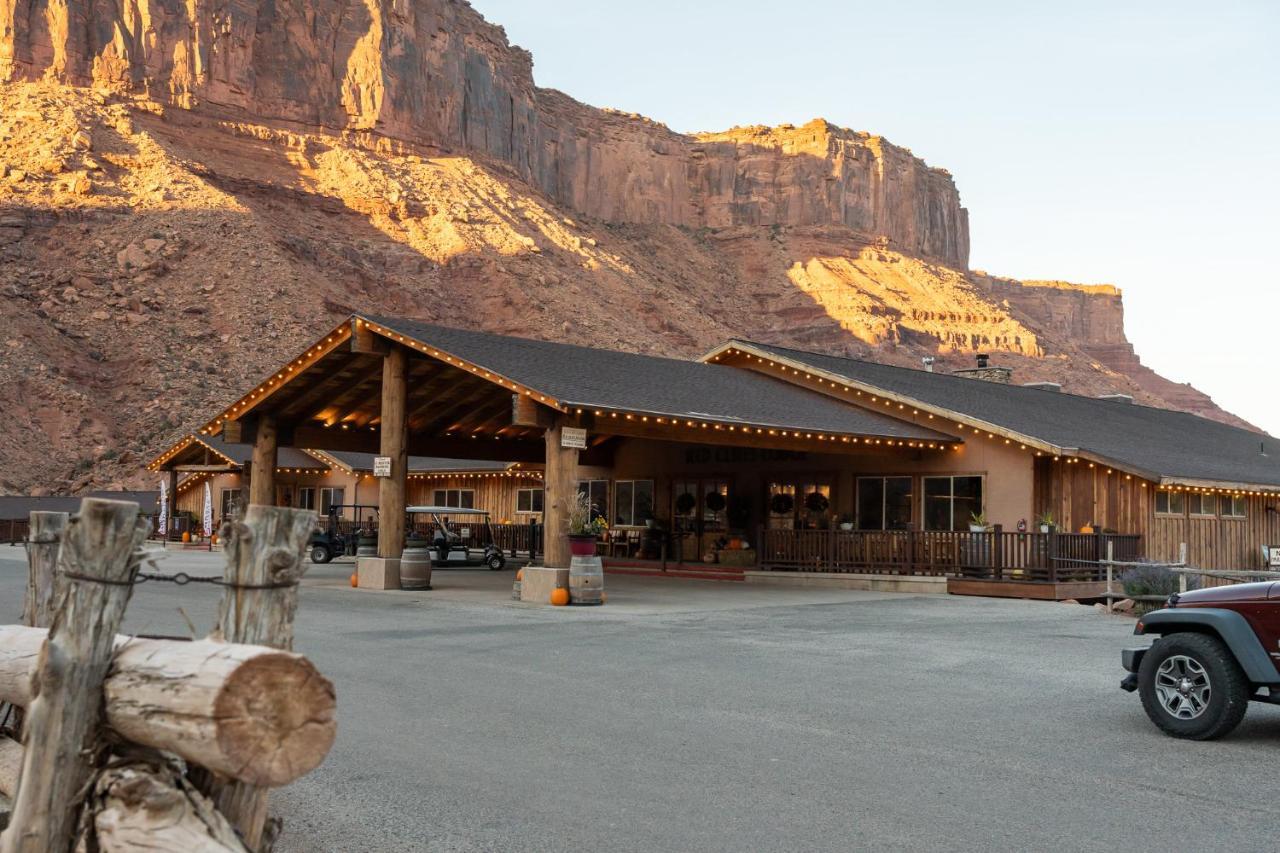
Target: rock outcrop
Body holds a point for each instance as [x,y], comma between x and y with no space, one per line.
[435,74]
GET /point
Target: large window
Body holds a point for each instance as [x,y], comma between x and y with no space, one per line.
[1171,503]
[632,502]
[230,503]
[1203,505]
[597,491]
[884,503]
[1235,506]
[528,501]
[330,497]
[461,498]
[307,497]
[951,502]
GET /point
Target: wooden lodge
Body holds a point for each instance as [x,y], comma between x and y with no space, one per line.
[776,461]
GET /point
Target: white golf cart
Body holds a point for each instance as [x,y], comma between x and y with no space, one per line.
[449,544]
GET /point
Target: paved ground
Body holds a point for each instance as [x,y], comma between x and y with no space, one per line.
[707,716]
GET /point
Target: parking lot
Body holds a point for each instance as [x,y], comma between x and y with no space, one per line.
[689,715]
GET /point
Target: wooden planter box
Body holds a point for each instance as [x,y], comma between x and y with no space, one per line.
[743,558]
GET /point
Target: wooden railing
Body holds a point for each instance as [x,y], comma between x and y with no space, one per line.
[992,555]
[13,531]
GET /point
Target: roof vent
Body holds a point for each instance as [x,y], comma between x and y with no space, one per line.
[985,371]
[1117,398]
[1043,386]
[927,361]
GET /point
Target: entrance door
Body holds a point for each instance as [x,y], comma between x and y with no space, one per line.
[700,514]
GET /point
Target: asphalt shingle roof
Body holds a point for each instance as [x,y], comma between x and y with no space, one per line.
[286,457]
[1162,442]
[20,506]
[608,379]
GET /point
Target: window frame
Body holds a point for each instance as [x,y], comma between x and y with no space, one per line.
[1231,514]
[1169,512]
[617,508]
[326,497]
[951,498]
[602,508]
[459,491]
[533,510]
[1199,498]
[884,500]
[310,492]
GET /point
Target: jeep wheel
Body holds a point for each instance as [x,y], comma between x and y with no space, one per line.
[1192,687]
[320,554]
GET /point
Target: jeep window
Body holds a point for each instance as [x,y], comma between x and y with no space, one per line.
[1203,505]
[1171,503]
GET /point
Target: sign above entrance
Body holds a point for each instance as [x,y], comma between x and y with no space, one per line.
[382,466]
[573,437]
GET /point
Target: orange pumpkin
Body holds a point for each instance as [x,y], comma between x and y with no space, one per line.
[559,596]
[355,579]
[186,536]
[213,540]
[519,574]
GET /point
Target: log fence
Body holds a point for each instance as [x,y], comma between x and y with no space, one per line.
[128,743]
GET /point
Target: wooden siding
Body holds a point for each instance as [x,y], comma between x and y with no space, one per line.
[1078,495]
[493,492]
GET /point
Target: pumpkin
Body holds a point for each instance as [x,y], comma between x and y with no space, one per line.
[186,536]
[559,596]
[213,540]
[519,574]
[355,579]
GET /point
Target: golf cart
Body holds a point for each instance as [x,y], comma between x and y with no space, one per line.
[449,539]
[330,541]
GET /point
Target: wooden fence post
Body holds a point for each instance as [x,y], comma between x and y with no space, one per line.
[264,566]
[43,540]
[1182,561]
[98,560]
[1111,550]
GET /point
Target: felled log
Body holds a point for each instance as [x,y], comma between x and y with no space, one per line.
[245,712]
[149,805]
[10,765]
[44,538]
[97,563]
[264,565]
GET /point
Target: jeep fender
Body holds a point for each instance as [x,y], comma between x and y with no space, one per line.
[1228,625]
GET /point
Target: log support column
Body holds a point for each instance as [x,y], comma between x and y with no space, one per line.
[383,571]
[262,479]
[559,485]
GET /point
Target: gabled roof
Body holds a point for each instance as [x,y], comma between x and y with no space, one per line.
[353,461]
[236,454]
[1164,445]
[572,376]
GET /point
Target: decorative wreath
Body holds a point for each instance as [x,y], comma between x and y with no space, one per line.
[816,502]
[782,503]
[685,503]
[715,501]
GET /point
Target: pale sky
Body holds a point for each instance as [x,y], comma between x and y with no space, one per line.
[1133,143]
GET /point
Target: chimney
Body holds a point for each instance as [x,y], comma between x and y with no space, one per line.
[1117,398]
[1043,386]
[985,371]
[928,363]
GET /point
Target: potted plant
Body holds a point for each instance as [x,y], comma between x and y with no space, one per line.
[846,521]
[1046,522]
[978,522]
[585,526]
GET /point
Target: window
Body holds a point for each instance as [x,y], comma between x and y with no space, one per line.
[782,506]
[632,502]
[461,498]
[330,497]
[529,500]
[307,497]
[1171,503]
[597,491]
[230,503]
[884,503]
[1234,507]
[1203,505]
[951,502]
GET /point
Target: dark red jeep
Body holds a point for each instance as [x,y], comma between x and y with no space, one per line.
[1218,649]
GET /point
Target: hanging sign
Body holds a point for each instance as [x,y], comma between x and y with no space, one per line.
[573,437]
[1275,557]
[382,466]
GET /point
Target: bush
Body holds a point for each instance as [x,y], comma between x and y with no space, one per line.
[1153,580]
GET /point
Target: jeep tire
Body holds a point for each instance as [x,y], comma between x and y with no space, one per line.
[1192,687]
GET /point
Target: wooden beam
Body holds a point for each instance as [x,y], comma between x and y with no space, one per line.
[421,444]
[365,341]
[262,484]
[559,483]
[394,443]
[323,387]
[200,469]
[526,411]
[234,432]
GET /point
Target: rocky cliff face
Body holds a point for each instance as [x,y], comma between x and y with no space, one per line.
[434,74]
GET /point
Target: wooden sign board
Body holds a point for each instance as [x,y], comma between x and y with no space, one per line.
[1275,557]
[573,437]
[382,466]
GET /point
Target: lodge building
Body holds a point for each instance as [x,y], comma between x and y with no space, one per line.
[807,463]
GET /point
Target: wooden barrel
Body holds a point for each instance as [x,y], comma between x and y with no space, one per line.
[586,581]
[415,565]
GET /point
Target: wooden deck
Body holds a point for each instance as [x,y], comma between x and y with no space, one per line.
[1036,590]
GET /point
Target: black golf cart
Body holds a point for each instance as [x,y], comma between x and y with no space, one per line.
[457,544]
[338,536]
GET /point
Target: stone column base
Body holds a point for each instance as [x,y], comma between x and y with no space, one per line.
[378,572]
[538,582]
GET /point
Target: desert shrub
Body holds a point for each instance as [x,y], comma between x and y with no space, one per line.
[1153,580]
